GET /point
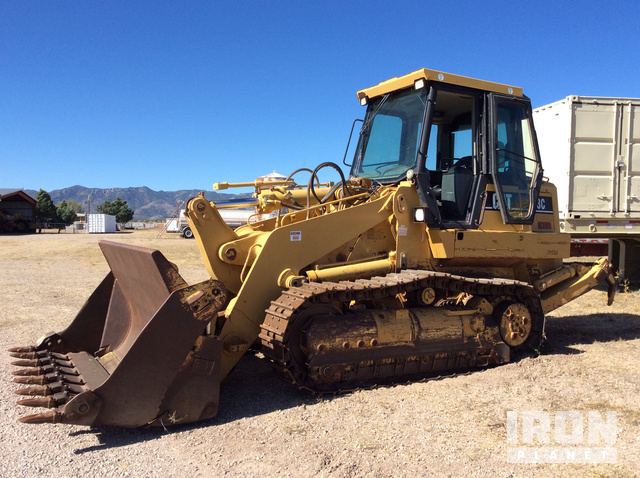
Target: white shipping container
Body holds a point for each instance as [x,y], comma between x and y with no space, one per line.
[590,148]
[100,223]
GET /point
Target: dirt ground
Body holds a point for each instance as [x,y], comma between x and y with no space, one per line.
[450,427]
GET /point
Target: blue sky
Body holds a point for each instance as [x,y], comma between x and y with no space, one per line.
[177,95]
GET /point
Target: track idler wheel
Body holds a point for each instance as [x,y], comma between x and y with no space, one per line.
[521,328]
[515,324]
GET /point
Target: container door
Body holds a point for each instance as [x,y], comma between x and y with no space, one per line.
[629,160]
[596,136]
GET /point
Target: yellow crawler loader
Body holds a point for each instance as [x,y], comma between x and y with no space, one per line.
[441,252]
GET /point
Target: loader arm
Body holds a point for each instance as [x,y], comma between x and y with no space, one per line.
[277,257]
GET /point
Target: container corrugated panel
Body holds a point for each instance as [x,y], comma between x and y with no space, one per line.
[100,223]
[590,149]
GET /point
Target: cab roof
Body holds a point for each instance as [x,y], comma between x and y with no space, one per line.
[406,81]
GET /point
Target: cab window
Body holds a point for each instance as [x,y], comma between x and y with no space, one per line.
[386,135]
[451,154]
[390,136]
[516,162]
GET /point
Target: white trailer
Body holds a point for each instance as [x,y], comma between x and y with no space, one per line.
[172,224]
[233,218]
[590,148]
[100,223]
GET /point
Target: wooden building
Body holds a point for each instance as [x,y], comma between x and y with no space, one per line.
[17,211]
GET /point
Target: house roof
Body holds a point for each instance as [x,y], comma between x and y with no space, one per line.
[6,193]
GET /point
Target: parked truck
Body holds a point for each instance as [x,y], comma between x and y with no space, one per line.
[590,146]
[235,217]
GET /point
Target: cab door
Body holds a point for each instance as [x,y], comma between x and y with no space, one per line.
[514,158]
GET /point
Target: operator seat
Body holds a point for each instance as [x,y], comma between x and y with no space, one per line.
[457,182]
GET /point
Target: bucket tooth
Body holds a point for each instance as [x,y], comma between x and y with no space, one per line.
[25,363]
[46,402]
[34,390]
[41,379]
[37,354]
[31,380]
[50,416]
[28,348]
[23,372]
[24,355]
[31,362]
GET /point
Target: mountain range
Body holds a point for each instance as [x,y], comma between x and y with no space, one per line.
[146,203]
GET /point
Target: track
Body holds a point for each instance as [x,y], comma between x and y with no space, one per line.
[334,336]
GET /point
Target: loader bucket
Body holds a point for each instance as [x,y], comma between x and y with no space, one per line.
[137,353]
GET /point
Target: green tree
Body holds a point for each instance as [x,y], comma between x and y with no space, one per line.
[45,209]
[118,208]
[68,211]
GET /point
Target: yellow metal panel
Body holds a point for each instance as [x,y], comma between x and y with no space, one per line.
[412,247]
[491,220]
[478,243]
[442,242]
[406,81]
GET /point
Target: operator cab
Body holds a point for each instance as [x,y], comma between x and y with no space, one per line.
[472,133]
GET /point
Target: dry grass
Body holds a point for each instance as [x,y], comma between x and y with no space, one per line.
[451,427]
